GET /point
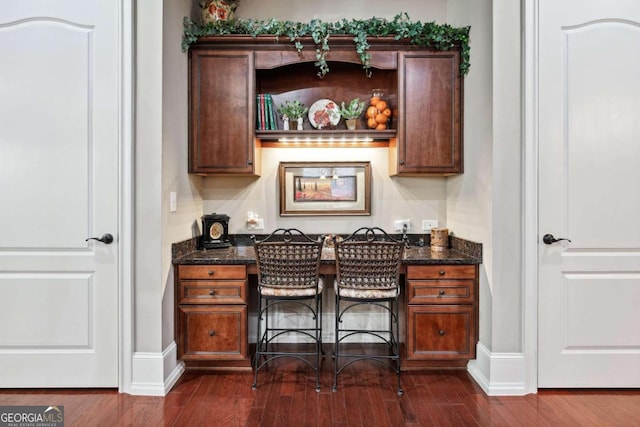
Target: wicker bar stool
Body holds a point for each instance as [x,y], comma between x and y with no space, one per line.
[288,273]
[368,273]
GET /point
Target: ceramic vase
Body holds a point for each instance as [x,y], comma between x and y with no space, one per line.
[217,10]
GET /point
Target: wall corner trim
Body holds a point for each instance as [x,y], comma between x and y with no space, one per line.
[154,374]
[499,374]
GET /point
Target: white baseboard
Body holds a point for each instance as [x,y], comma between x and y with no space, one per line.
[154,374]
[499,374]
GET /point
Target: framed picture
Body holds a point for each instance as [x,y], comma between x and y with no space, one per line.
[315,188]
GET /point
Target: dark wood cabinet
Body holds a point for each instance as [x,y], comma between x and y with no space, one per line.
[222,102]
[430,114]
[211,315]
[422,86]
[442,315]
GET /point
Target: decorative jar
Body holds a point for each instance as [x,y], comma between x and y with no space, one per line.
[378,112]
[217,10]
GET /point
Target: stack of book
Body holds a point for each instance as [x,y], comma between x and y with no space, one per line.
[266,114]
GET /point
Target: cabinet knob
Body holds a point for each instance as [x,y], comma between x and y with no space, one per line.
[441,272]
[441,332]
[212,333]
[210,272]
[212,293]
[401,162]
[441,292]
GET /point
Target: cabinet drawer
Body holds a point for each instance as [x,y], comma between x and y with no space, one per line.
[440,291]
[441,272]
[440,332]
[213,292]
[186,272]
[213,332]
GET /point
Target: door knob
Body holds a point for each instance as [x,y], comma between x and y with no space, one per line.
[106,239]
[549,239]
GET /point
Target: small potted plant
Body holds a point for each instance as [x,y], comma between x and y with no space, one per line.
[292,110]
[351,112]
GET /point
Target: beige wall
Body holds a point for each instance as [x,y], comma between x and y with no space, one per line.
[467,203]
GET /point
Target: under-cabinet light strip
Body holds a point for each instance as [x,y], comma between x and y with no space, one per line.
[329,140]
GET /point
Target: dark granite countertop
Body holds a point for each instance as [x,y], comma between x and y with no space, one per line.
[460,251]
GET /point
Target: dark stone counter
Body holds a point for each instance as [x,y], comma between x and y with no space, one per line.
[460,251]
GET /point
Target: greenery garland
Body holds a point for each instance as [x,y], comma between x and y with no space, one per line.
[437,36]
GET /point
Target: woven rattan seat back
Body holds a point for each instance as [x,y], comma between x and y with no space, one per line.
[369,264]
[367,276]
[288,264]
[289,282]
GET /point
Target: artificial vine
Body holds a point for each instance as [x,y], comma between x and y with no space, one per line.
[431,35]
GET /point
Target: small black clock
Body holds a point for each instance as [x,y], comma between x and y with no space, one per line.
[215,231]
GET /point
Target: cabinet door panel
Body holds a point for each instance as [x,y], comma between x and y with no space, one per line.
[213,332]
[222,107]
[440,332]
[430,134]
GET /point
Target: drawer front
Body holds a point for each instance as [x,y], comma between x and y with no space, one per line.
[441,272]
[440,332]
[213,332]
[440,291]
[194,272]
[213,292]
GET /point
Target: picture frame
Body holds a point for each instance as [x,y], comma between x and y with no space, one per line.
[325,188]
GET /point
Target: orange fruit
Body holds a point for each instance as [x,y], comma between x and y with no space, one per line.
[371,112]
[372,123]
[381,118]
[381,106]
[381,126]
[387,112]
[374,100]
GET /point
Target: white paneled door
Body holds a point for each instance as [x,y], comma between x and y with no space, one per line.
[59,137]
[589,192]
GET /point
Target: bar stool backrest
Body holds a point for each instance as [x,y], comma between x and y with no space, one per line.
[288,258]
[369,259]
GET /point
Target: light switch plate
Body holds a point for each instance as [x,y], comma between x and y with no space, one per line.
[173,201]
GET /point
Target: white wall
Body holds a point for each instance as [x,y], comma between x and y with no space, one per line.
[181,224]
[470,196]
[148,182]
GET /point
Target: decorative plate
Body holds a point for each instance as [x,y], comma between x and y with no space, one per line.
[323,113]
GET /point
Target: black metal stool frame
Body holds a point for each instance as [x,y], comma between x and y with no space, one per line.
[290,264]
[368,261]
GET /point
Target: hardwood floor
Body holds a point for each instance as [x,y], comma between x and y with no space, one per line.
[366,396]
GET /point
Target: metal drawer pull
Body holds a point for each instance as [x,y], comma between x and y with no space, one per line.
[210,272]
[441,332]
[212,293]
[441,292]
[441,272]
[212,333]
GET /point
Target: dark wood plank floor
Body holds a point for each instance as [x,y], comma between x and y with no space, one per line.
[366,396]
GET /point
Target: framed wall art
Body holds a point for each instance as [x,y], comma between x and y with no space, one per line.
[317,188]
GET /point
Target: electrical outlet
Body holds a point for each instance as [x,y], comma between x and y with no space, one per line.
[398,224]
[428,224]
[256,224]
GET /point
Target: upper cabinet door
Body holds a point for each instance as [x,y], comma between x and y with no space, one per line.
[221,103]
[430,115]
